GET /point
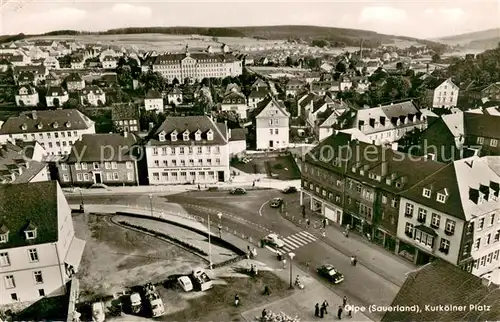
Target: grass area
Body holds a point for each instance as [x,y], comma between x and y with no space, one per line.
[252,167]
[283,168]
[218,305]
[46,309]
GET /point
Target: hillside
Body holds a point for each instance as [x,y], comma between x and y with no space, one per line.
[337,37]
[486,39]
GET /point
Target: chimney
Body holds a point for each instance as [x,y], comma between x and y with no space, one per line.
[383,169]
[34,115]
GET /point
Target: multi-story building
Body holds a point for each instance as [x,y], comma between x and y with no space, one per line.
[236,102]
[174,96]
[101,158]
[27,96]
[56,96]
[51,63]
[454,215]
[491,92]
[293,87]
[52,80]
[355,183]
[22,162]
[196,66]
[75,82]
[256,96]
[109,62]
[77,62]
[153,101]
[92,95]
[445,95]
[40,72]
[125,117]
[39,252]
[55,130]
[271,121]
[188,149]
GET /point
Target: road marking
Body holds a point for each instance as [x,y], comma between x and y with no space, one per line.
[307,237]
[260,209]
[293,239]
[309,234]
[290,242]
[272,249]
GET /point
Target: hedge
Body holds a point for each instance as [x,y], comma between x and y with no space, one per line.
[165,236]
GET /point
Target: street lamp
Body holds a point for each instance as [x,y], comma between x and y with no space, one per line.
[151,203]
[81,200]
[210,239]
[291,255]
[220,224]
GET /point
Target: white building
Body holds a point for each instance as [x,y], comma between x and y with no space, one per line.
[27,96]
[55,130]
[77,63]
[174,96]
[445,95]
[256,96]
[39,252]
[153,101]
[92,95]
[454,215]
[109,62]
[196,66]
[51,63]
[271,121]
[235,101]
[56,96]
[188,149]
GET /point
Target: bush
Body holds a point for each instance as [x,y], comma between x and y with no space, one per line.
[165,236]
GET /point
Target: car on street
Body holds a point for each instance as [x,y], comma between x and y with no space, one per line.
[290,189]
[185,283]
[276,202]
[237,191]
[273,240]
[135,303]
[331,273]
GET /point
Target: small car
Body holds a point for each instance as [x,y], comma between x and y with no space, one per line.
[238,191]
[98,312]
[276,202]
[135,303]
[333,275]
[290,189]
[185,283]
[246,160]
[273,240]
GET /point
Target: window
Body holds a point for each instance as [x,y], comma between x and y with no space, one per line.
[84,165]
[358,188]
[271,131]
[444,246]
[276,131]
[217,149]
[181,150]
[384,199]
[449,227]
[423,238]
[114,165]
[115,176]
[422,215]
[409,210]
[441,198]
[155,151]
[480,224]
[493,142]
[492,220]
[487,239]
[96,165]
[9,281]
[217,161]
[483,260]
[190,150]
[38,277]
[495,255]
[33,255]
[409,229]
[480,140]
[41,292]
[65,177]
[426,193]
[183,163]
[4,259]
[199,150]
[13,296]
[477,244]
[496,238]
[30,234]
[209,161]
[79,177]
[107,165]
[64,166]
[490,256]
[394,202]
[129,165]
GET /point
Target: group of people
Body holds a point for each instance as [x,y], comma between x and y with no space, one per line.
[320,312]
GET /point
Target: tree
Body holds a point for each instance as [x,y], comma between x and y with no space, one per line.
[70,103]
[289,61]
[399,65]
[231,117]
[397,87]
[175,81]
[152,80]
[341,67]
[124,77]
[436,58]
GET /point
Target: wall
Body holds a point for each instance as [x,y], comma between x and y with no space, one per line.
[486,248]
[123,172]
[43,175]
[236,147]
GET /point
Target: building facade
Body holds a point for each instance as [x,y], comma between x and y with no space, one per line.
[55,130]
[153,101]
[39,252]
[27,96]
[236,102]
[56,96]
[191,149]
[271,120]
[445,95]
[92,95]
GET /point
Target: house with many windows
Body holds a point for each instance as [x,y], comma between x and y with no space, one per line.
[153,101]
[39,252]
[55,130]
[236,102]
[27,96]
[271,121]
[445,95]
[454,215]
[92,95]
[125,117]
[101,158]
[188,149]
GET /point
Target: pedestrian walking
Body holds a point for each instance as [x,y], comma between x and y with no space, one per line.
[316,310]
[322,312]
[344,301]
[284,262]
[327,222]
[253,184]
[355,260]
[352,260]
[325,305]
[308,222]
[303,210]
[324,223]
[236,300]
[349,312]
[339,312]
[264,313]
[199,187]
[267,291]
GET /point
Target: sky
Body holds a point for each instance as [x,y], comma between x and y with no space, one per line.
[417,18]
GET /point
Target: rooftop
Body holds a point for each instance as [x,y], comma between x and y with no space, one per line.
[90,148]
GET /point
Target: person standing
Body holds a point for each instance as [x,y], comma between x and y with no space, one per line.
[325,305]
[316,310]
[344,301]
[349,312]
[354,260]
[308,222]
[324,223]
[322,312]
[236,300]
[303,210]
[339,312]
[284,263]
[264,313]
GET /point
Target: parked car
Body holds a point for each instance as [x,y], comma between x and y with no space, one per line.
[201,279]
[273,240]
[276,202]
[290,189]
[185,283]
[135,303]
[237,191]
[154,300]
[333,275]
[246,160]
[98,312]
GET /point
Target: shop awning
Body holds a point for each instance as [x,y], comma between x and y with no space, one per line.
[75,252]
[426,230]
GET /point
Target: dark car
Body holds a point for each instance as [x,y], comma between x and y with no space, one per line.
[329,272]
[276,202]
[289,190]
[238,191]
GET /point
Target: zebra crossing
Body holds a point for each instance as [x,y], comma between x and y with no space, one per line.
[295,241]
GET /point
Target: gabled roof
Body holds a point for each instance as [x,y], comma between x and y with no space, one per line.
[56,91]
[263,104]
[239,97]
[14,158]
[153,94]
[452,287]
[258,93]
[192,124]
[232,87]
[31,90]
[455,123]
[307,100]
[90,148]
[23,203]
[482,125]
[26,77]
[175,91]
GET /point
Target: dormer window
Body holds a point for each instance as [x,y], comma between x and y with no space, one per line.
[185,136]
[426,193]
[4,234]
[30,231]
[39,126]
[55,125]
[161,137]
[173,136]
[68,124]
[441,197]
[24,127]
[210,135]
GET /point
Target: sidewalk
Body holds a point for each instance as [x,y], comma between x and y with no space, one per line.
[372,256]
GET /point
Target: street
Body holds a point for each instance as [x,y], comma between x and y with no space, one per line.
[252,215]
